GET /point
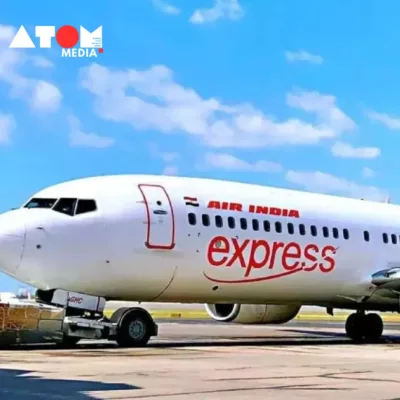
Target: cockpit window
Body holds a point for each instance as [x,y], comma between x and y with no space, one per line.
[66,206]
[85,206]
[69,206]
[40,203]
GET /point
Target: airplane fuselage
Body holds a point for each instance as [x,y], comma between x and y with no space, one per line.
[173,239]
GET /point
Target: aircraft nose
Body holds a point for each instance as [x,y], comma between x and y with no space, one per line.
[12,240]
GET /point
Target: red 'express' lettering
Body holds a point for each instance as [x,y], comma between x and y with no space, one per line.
[256,254]
[291,252]
[223,248]
[253,261]
[238,252]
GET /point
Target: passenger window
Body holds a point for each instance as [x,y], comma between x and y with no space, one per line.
[218,221]
[394,238]
[346,234]
[290,228]
[313,230]
[256,225]
[325,231]
[267,226]
[243,223]
[231,222]
[302,229]
[65,206]
[335,232]
[205,219]
[366,236]
[278,227]
[85,206]
[192,218]
[385,238]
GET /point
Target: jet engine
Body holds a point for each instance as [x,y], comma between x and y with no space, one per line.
[252,313]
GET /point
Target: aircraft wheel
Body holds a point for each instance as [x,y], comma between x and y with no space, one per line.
[355,326]
[373,327]
[135,328]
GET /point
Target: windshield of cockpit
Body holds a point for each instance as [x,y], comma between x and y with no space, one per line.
[68,206]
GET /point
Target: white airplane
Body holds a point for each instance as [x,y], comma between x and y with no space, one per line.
[252,254]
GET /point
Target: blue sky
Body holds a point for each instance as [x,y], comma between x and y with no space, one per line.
[294,94]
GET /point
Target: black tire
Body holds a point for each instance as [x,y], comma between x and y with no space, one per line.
[373,327]
[135,328]
[355,327]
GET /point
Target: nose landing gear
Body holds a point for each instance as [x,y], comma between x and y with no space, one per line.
[368,327]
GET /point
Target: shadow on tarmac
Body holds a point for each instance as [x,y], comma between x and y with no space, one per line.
[21,385]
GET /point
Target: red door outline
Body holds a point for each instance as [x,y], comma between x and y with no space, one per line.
[147,243]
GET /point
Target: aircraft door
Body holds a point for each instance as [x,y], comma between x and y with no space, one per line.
[160,217]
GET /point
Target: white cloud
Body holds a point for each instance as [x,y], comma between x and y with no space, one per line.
[156,101]
[165,7]
[229,9]
[387,120]
[368,172]
[7,125]
[7,32]
[231,163]
[45,97]
[345,150]
[82,139]
[170,170]
[166,156]
[325,108]
[41,62]
[37,93]
[301,55]
[327,183]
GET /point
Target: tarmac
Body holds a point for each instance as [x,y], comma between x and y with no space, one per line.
[200,359]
